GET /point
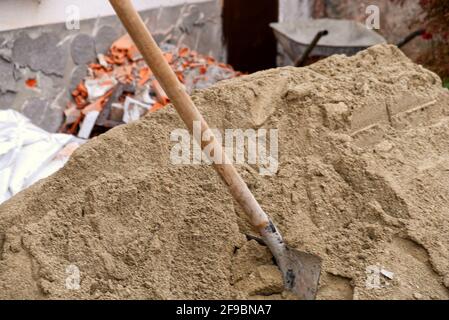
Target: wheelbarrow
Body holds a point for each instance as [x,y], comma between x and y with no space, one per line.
[326,37]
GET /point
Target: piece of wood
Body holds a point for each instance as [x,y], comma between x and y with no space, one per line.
[186,108]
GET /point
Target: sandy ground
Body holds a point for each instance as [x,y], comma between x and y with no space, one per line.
[362,182]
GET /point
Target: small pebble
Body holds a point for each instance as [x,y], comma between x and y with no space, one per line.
[417,296]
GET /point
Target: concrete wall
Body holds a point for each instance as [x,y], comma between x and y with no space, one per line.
[57,57]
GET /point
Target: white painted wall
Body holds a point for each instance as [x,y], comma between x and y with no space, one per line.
[15,14]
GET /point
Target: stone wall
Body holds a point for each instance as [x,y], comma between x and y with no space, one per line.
[57,57]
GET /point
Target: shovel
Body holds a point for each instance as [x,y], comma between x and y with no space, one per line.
[300,270]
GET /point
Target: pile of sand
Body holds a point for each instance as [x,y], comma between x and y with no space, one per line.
[362,182]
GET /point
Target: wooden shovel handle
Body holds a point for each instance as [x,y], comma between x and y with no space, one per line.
[186,108]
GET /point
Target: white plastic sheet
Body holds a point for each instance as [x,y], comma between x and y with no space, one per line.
[27,153]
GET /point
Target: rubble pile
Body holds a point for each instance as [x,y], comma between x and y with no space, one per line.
[121,88]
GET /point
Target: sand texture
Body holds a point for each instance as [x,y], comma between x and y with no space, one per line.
[363,181]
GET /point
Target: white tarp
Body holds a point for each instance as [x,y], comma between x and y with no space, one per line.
[27,153]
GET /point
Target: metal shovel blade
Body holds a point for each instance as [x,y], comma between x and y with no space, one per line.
[302,273]
[301,270]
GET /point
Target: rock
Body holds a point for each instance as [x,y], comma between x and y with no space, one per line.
[6,54]
[33,108]
[387,274]
[40,54]
[41,114]
[19,73]
[417,296]
[6,50]
[336,115]
[299,92]
[52,120]
[83,49]
[77,75]
[294,198]
[336,108]
[104,37]
[49,85]
[384,146]
[446,281]
[7,82]
[7,100]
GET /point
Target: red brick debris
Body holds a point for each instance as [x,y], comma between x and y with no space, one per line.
[123,65]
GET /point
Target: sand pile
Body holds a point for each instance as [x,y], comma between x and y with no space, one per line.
[362,182]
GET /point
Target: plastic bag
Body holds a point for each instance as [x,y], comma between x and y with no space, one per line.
[27,153]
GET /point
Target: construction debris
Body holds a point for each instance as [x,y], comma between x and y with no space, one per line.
[387,274]
[123,64]
[88,124]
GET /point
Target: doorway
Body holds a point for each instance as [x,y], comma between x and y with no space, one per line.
[250,43]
